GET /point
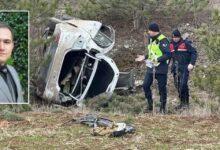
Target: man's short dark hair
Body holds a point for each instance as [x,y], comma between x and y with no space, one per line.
[4,25]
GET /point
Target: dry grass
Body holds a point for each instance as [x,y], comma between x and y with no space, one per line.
[45,130]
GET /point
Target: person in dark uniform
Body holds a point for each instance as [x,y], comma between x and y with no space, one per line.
[183,61]
[157,65]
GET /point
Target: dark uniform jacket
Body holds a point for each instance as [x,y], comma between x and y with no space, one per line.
[183,53]
[10,93]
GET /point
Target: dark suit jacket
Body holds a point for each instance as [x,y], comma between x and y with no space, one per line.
[5,95]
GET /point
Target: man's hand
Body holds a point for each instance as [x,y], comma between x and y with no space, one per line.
[190,67]
[139,58]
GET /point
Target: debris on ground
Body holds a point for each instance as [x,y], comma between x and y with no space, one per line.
[105,127]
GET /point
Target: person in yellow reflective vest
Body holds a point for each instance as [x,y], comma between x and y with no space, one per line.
[157,65]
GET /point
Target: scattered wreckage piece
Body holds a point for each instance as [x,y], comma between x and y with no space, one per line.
[103,126]
[126,81]
[75,66]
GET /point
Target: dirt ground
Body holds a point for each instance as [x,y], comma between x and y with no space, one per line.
[48,130]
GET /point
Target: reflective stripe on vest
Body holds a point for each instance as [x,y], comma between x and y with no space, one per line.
[153,48]
[171,47]
[181,47]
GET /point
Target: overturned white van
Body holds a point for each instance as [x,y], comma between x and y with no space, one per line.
[75,65]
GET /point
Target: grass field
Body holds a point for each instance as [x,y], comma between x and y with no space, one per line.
[47,129]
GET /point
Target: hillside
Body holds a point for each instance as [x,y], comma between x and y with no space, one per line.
[45,125]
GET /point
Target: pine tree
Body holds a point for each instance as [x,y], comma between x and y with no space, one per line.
[207,77]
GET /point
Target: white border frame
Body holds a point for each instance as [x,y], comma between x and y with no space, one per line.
[28,100]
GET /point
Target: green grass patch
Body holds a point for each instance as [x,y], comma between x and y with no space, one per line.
[10,116]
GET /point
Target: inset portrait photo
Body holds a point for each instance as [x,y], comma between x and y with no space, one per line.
[14,27]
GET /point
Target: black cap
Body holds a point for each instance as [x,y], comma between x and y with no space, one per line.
[176,33]
[154,27]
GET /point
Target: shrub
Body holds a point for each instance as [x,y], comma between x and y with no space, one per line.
[207,77]
[10,116]
[132,104]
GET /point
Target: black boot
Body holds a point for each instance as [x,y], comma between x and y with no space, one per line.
[186,104]
[180,106]
[149,106]
[187,101]
[163,108]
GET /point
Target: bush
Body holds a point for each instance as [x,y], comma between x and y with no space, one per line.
[207,77]
[209,36]
[136,11]
[10,116]
[132,104]
[113,9]
[16,108]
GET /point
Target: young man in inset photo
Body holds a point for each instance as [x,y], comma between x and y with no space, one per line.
[10,87]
